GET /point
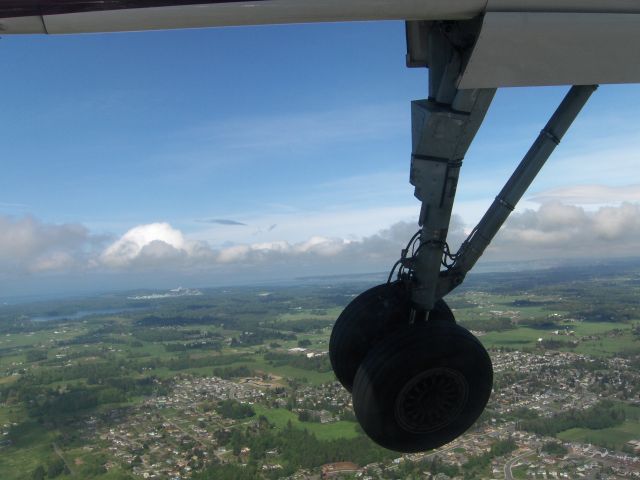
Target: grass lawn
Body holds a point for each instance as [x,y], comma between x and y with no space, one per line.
[7,360]
[518,338]
[153,349]
[610,437]
[163,373]
[331,313]
[32,446]
[65,332]
[10,414]
[595,328]
[286,371]
[7,380]
[633,411]
[607,346]
[323,431]
[520,472]
[256,363]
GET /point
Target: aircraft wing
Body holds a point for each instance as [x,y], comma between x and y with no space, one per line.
[82,16]
[520,42]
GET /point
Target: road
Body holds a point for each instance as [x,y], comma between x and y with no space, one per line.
[507,466]
[58,452]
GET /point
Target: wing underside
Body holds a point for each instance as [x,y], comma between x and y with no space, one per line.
[520,42]
[83,16]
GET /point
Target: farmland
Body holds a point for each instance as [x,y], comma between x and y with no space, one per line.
[116,385]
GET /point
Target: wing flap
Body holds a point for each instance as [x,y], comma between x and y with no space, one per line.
[530,49]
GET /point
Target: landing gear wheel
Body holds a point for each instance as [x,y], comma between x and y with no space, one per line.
[369,318]
[422,387]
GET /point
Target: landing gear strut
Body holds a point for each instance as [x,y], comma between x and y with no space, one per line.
[418,379]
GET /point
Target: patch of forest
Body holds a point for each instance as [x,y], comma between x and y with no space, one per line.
[604,414]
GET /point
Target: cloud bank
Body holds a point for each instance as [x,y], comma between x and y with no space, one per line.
[558,230]
[28,245]
[554,230]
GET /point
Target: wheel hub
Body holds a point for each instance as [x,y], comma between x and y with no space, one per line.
[431,400]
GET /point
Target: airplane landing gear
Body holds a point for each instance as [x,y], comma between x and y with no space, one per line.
[422,387]
[370,318]
[419,380]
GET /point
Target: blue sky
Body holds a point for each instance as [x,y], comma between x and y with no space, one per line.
[300,133]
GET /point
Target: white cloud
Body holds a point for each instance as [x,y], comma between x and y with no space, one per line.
[553,230]
[590,195]
[321,246]
[299,225]
[28,245]
[622,223]
[557,230]
[234,254]
[151,245]
[266,252]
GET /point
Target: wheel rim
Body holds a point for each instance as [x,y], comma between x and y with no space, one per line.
[431,400]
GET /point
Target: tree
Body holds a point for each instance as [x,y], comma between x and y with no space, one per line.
[554,448]
[38,473]
[234,409]
[55,468]
[236,442]
[304,416]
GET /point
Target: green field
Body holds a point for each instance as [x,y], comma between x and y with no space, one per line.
[614,437]
[595,328]
[520,472]
[517,338]
[258,364]
[331,314]
[605,345]
[323,431]
[32,444]
[608,346]
[169,340]
[7,362]
[44,337]
[311,376]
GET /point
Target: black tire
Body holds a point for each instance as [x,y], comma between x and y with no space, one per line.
[423,387]
[369,318]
